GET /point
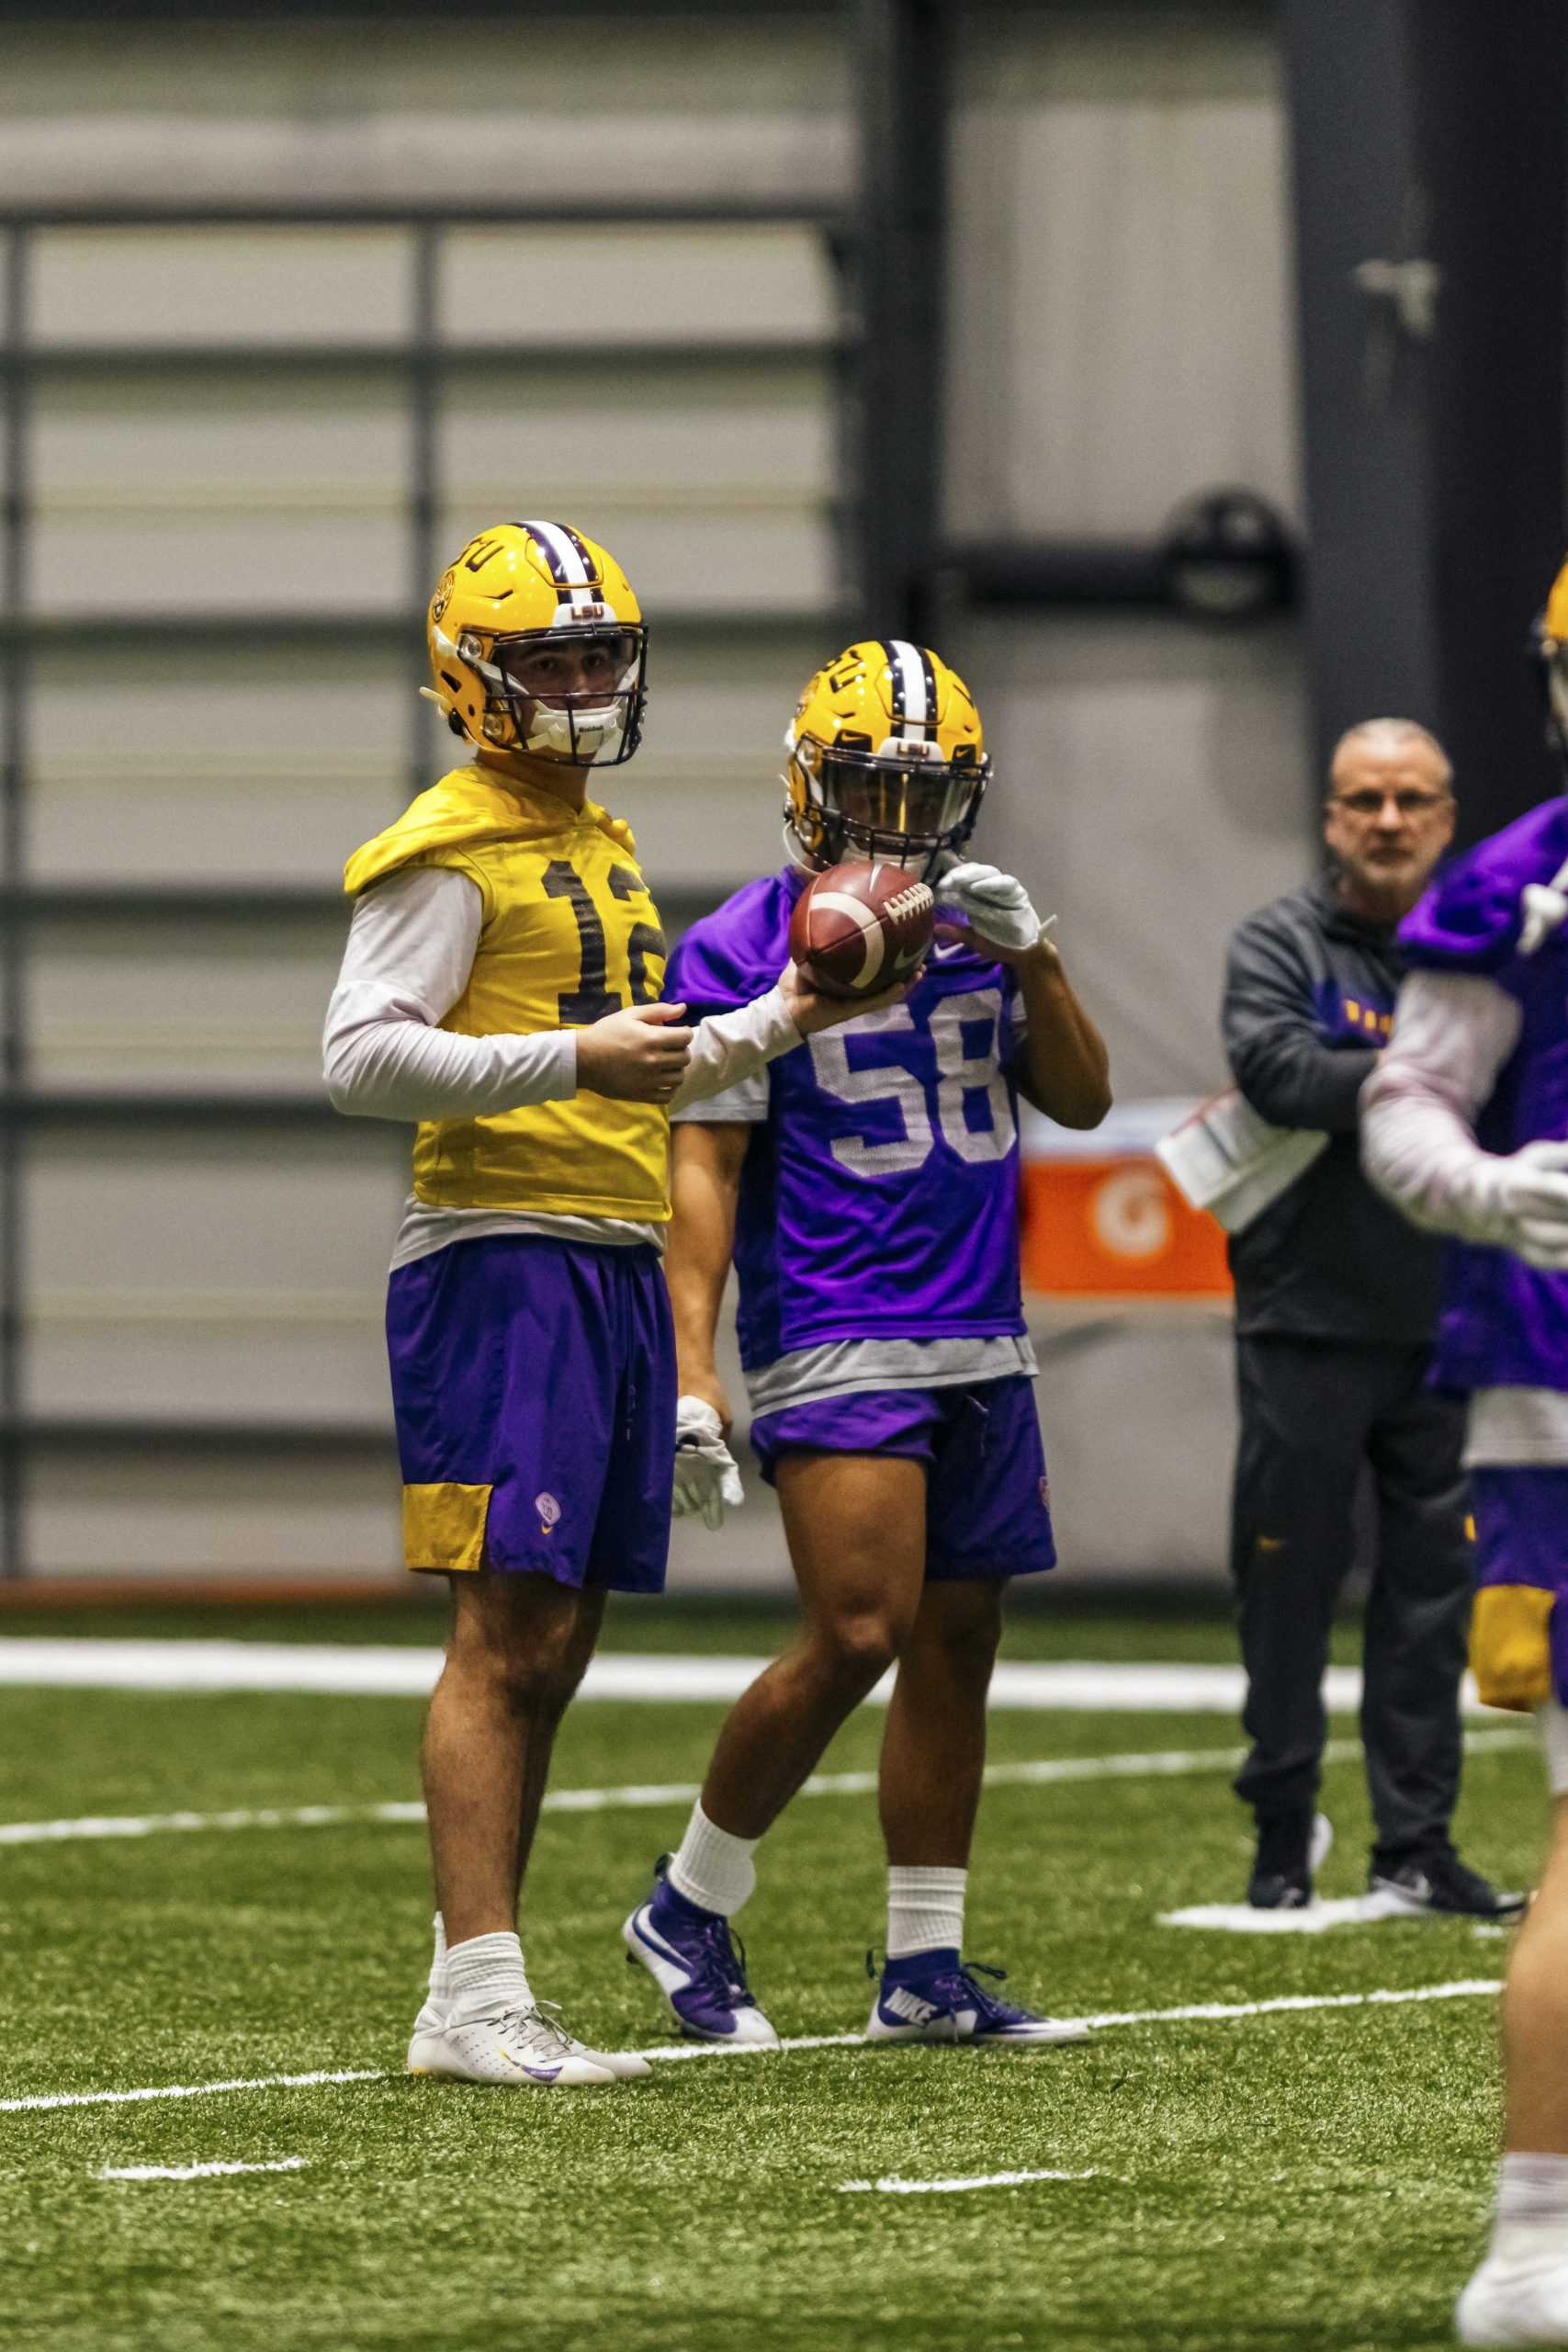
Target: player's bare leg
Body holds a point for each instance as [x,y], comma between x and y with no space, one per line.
[856,1524]
[1535,2012]
[933,1761]
[933,1750]
[856,1528]
[1519,2295]
[518,1648]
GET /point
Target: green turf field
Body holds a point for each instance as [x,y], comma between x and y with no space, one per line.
[1302,2180]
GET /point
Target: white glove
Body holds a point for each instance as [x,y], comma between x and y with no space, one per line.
[995,906]
[706,1473]
[1521,1203]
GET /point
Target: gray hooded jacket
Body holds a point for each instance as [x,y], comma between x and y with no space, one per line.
[1310,992]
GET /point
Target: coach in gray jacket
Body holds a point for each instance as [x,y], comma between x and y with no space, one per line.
[1336,1310]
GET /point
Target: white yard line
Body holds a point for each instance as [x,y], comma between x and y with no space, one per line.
[1465,1988]
[640,1795]
[195,2090]
[1202,2012]
[198,2172]
[891,2185]
[387,1670]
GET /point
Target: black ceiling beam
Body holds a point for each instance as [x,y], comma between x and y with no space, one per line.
[381,17]
[322,359]
[397,632]
[829,214]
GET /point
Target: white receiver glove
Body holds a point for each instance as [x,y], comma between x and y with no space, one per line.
[706,1473]
[1520,1203]
[994,904]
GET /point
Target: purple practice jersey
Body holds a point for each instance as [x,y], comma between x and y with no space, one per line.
[1505,1324]
[879,1194]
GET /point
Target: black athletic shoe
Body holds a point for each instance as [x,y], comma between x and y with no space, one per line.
[1437,1881]
[1281,1867]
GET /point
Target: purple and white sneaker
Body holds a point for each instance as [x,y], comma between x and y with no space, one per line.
[698,1965]
[932,1996]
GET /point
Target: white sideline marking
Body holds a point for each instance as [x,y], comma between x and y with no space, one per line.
[195,2090]
[1313,1918]
[197,2172]
[1204,2012]
[891,2185]
[342,1669]
[1466,1988]
[638,1795]
[1212,2012]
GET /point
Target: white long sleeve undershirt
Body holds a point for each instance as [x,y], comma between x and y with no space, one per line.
[410,948]
[1452,1033]
[410,952]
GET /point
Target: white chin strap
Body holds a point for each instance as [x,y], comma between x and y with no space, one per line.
[573,734]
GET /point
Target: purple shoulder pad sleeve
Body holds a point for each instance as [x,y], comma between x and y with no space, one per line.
[1470,919]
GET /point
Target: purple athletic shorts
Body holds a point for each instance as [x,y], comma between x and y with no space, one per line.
[534,1385]
[1521,1539]
[987,1504]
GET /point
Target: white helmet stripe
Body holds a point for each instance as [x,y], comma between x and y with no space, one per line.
[565,557]
[913,681]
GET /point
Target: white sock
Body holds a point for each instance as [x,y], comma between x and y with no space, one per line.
[1533,2193]
[925,1911]
[439,1984]
[485,1975]
[711,1867]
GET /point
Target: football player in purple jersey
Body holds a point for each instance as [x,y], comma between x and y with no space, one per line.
[866,1190]
[1465,1124]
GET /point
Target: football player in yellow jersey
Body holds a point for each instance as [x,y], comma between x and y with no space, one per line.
[501,988]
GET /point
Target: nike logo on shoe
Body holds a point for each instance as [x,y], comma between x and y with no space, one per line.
[645,1936]
[901,2003]
[535,2073]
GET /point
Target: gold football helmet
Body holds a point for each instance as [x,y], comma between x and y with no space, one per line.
[1551,654]
[538,645]
[887,759]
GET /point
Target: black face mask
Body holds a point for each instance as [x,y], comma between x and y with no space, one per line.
[903,814]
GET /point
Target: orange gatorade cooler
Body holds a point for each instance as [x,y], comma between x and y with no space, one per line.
[1102,1218]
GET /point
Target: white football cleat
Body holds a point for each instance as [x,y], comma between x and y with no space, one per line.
[521,2047]
[625,2065]
[1512,2302]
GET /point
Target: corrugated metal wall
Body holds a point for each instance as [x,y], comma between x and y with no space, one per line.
[1119,338]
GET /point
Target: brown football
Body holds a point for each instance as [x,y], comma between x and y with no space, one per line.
[856,929]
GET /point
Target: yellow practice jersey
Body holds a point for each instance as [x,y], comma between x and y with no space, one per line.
[569,933]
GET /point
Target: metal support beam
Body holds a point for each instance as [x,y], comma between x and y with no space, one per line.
[903,52]
[1372,634]
[16,668]
[1491,121]
[1430,202]
[425,471]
